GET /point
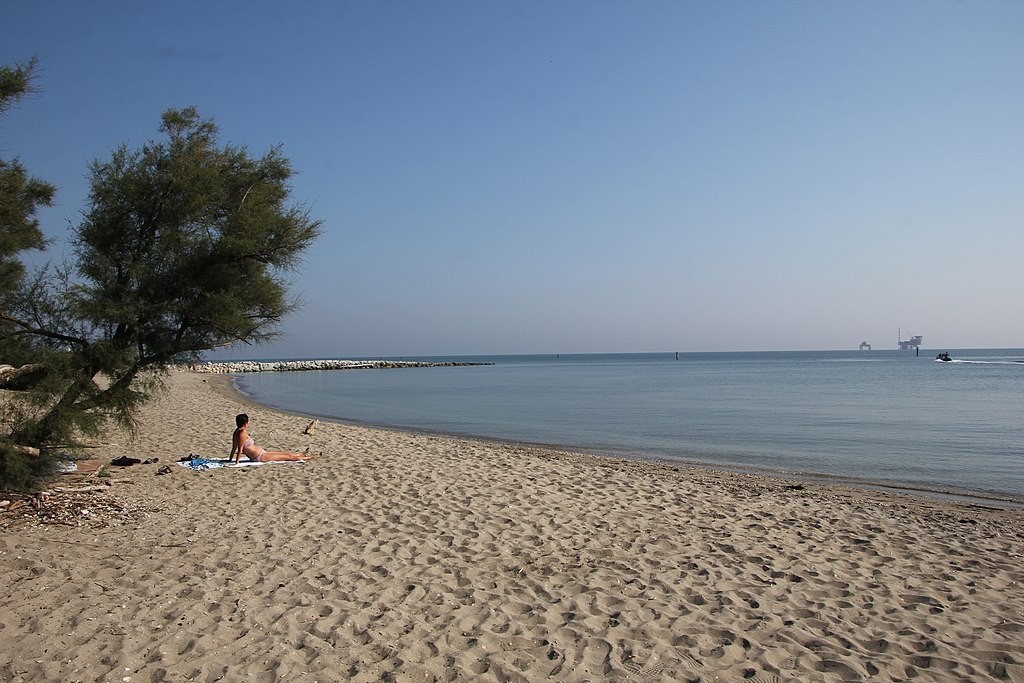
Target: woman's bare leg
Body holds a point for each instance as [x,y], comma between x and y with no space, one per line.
[284,456]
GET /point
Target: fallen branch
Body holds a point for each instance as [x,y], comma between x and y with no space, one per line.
[20,378]
[27,450]
[80,489]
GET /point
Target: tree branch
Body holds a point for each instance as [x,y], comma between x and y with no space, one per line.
[40,332]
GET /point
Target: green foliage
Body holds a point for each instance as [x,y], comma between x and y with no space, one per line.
[22,472]
[185,244]
[184,247]
[16,83]
[21,196]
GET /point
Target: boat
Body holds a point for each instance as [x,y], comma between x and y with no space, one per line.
[944,357]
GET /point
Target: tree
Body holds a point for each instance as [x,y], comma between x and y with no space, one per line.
[183,248]
[21,195]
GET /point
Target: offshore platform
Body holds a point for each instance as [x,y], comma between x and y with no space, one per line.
[908,344]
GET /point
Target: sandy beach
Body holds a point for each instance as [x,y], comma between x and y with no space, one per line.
[414,557]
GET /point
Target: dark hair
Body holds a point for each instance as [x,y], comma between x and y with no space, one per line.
[241,419]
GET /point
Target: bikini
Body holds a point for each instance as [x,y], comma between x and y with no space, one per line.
[250,442]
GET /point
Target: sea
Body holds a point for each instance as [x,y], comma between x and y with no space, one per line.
[877,418]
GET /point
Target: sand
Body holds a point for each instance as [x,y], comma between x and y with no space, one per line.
[411,557]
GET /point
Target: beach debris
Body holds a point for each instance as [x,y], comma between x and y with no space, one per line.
[311,427]
[92,506]
[166,469]
[125,461]
[150,461]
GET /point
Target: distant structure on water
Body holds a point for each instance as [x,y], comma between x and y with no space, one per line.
[908,344]
[864,346]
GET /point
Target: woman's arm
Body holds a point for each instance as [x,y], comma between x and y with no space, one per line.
[236,445]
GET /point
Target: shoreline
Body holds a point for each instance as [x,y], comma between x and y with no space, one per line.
[420,557]
[994,498]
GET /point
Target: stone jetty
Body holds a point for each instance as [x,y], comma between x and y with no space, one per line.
[236,367]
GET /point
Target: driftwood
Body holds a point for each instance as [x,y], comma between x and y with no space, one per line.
[79,489]
[20,378]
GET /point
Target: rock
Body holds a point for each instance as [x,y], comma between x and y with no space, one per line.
[238,367]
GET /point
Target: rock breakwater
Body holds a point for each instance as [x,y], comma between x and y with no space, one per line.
[236,367]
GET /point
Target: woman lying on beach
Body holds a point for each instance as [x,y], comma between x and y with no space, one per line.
[241,443]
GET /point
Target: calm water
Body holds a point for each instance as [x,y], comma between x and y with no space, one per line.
[882,416]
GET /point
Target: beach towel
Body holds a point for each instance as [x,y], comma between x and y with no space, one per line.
[199,463]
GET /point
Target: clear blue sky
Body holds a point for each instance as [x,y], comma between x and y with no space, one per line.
[583,176]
